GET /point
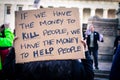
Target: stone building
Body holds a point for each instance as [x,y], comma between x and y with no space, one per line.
[87,8]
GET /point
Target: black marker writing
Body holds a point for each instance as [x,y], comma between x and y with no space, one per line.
[48,42]
[30,45]
[51,22]
[67,40]
[56,31]
[71,21]
[29,35]
[24,55]
[77,31]
[71,49]
[40,15]
[62,13]
[27,26]
[43,52]
[23,15]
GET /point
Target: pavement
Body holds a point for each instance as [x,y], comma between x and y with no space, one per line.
[104,70]
[105,65]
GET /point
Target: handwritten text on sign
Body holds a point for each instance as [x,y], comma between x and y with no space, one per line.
[48,34]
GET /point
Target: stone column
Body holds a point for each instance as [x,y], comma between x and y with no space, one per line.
[12,22]
[105,13]
[92,12]
[25,7]
[81,15]
[2,14]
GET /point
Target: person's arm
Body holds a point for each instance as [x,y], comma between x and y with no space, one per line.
[7,41]
[88,66]
[100,37]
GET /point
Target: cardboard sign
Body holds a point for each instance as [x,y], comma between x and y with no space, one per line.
[48,34]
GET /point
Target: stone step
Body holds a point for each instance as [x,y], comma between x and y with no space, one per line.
[105,57]
[104,70]
[100,79]
[101,74]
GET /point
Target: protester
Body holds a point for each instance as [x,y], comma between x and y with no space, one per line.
[92,37]
[115,69]
[6,41]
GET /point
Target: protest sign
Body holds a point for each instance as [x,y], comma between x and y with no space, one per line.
[48,34]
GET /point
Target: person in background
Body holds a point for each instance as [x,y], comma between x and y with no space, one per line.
[116,42]
[115,68]
[92,37]
[6,41]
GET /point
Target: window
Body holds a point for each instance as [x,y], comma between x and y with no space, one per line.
[8,9]
[84,28]
[86,14]
[111,13]
[50,6]
[99,12]
[19,7]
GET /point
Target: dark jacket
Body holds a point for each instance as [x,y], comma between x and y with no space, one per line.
[96,38]
[116,43]
[115,69]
